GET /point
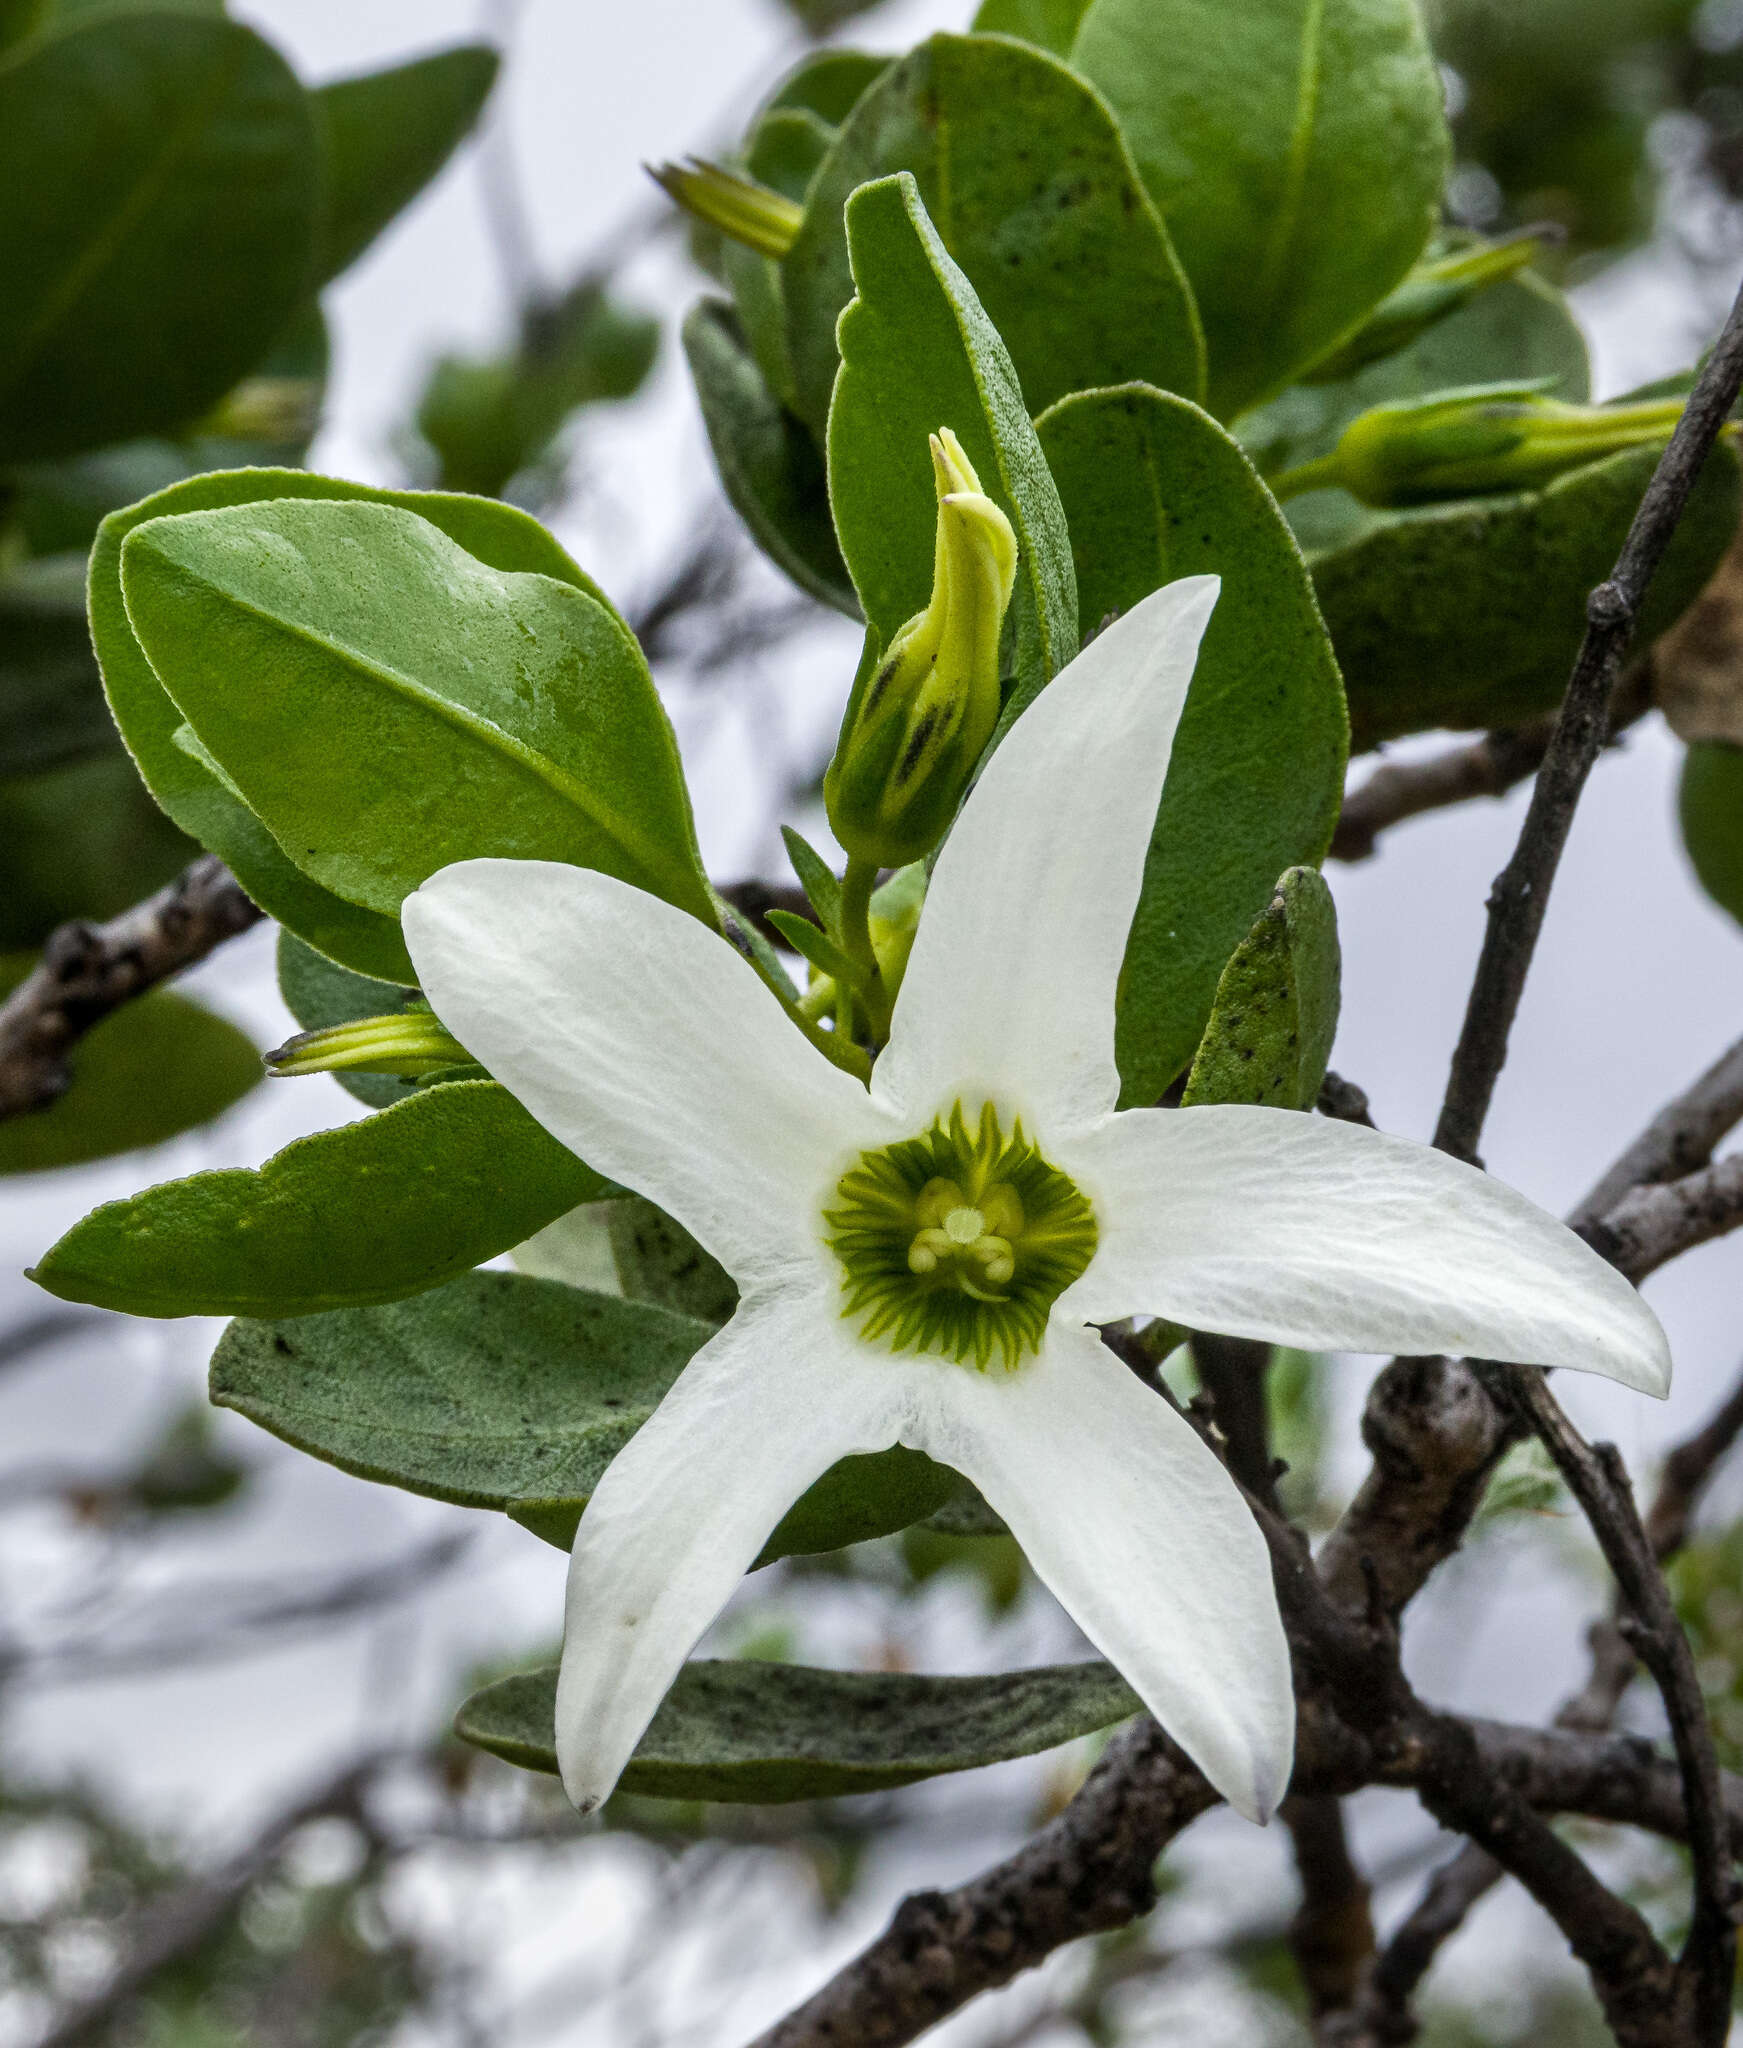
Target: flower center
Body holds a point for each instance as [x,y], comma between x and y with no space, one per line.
[959,1241]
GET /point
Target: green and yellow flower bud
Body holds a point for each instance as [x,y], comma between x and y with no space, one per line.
[756,215]
[410,1044]
[1463,444]
[919,720]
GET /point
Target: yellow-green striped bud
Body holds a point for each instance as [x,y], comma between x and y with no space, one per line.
[1463,444]
[918,720]
[409,1043]
[757,215]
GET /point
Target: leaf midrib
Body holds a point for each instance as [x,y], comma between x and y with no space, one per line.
[1307,93]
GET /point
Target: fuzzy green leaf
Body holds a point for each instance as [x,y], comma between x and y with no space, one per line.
[1154,490]
[160,172]
[918,353]
[1048,24]
[1297,149]
[658,1260]
[1029,186]
[1276,1011]
[371,1212]
[388,704]
[767,1733]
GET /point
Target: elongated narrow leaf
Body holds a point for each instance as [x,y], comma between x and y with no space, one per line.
[1029,186]
[150,722]
[385,724]
[371,1212]
[1469,615]
[160,180]
[918,353]
[150,1071]
[1297,149]
[770,468]
[1276,1012]
[766,1733]
[1154,489]
[502,1391]
[384,136]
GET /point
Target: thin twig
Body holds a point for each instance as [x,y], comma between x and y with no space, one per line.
[88,971]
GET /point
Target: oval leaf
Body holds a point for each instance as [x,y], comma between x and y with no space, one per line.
[768,1733]
[371,1212]
[1029,185]
[1297,150]
[1710,804]
[1154,490]
[1276,1011]
[385,724]
[51,698]
[918,353]
[160,173]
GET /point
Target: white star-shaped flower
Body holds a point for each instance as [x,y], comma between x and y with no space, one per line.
[911,1274]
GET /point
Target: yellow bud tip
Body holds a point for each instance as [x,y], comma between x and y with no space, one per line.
[754,214]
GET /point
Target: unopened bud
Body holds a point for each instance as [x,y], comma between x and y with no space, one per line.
[283,409]
[918,721]
[409,1044]
[1463,444]
[757,215]
[1433,290]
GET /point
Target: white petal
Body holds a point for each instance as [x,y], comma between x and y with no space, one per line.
[1009,992]
[1146,1542]
[647,1045]
[761,1411]
[1272,1224]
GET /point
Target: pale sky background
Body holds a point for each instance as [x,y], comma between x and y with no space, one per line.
[1638,982]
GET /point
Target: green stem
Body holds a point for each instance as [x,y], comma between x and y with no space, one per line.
[857,884]
[1321,474]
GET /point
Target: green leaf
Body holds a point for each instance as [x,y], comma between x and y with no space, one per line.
[370,1212]
[51,697]
[1029,186]
[1710,806]
[161,173]
[1469,615]
[500,1391]
[770,467]
[816,877]
[384,136]
[812,945]
[150,721]
[1276,1010]
[149,1071]
[918,353]
[768,1733]
[1297,149]
[19,19]
[827,83]
[429,709]
[1154,490]
[1048,24]
[82,839]
[318,992]
[658,1260]
[1519,331]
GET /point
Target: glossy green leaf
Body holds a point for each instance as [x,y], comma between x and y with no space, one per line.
[161,178]
[1710,807]
[770,467]
[51,697]
[371,1212]
[319,992]
[1518,331]
[918,353]
[384,136]
[1029,186]
[1276,1012]
[149,720]
[148,1072]
[1154,489]
[767,1733]
[1297,149]
[383,725]
[82,839]
[502,1391]
[1470,615]
[1048,24]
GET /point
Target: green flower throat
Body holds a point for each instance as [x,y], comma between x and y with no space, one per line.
[958,1242]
